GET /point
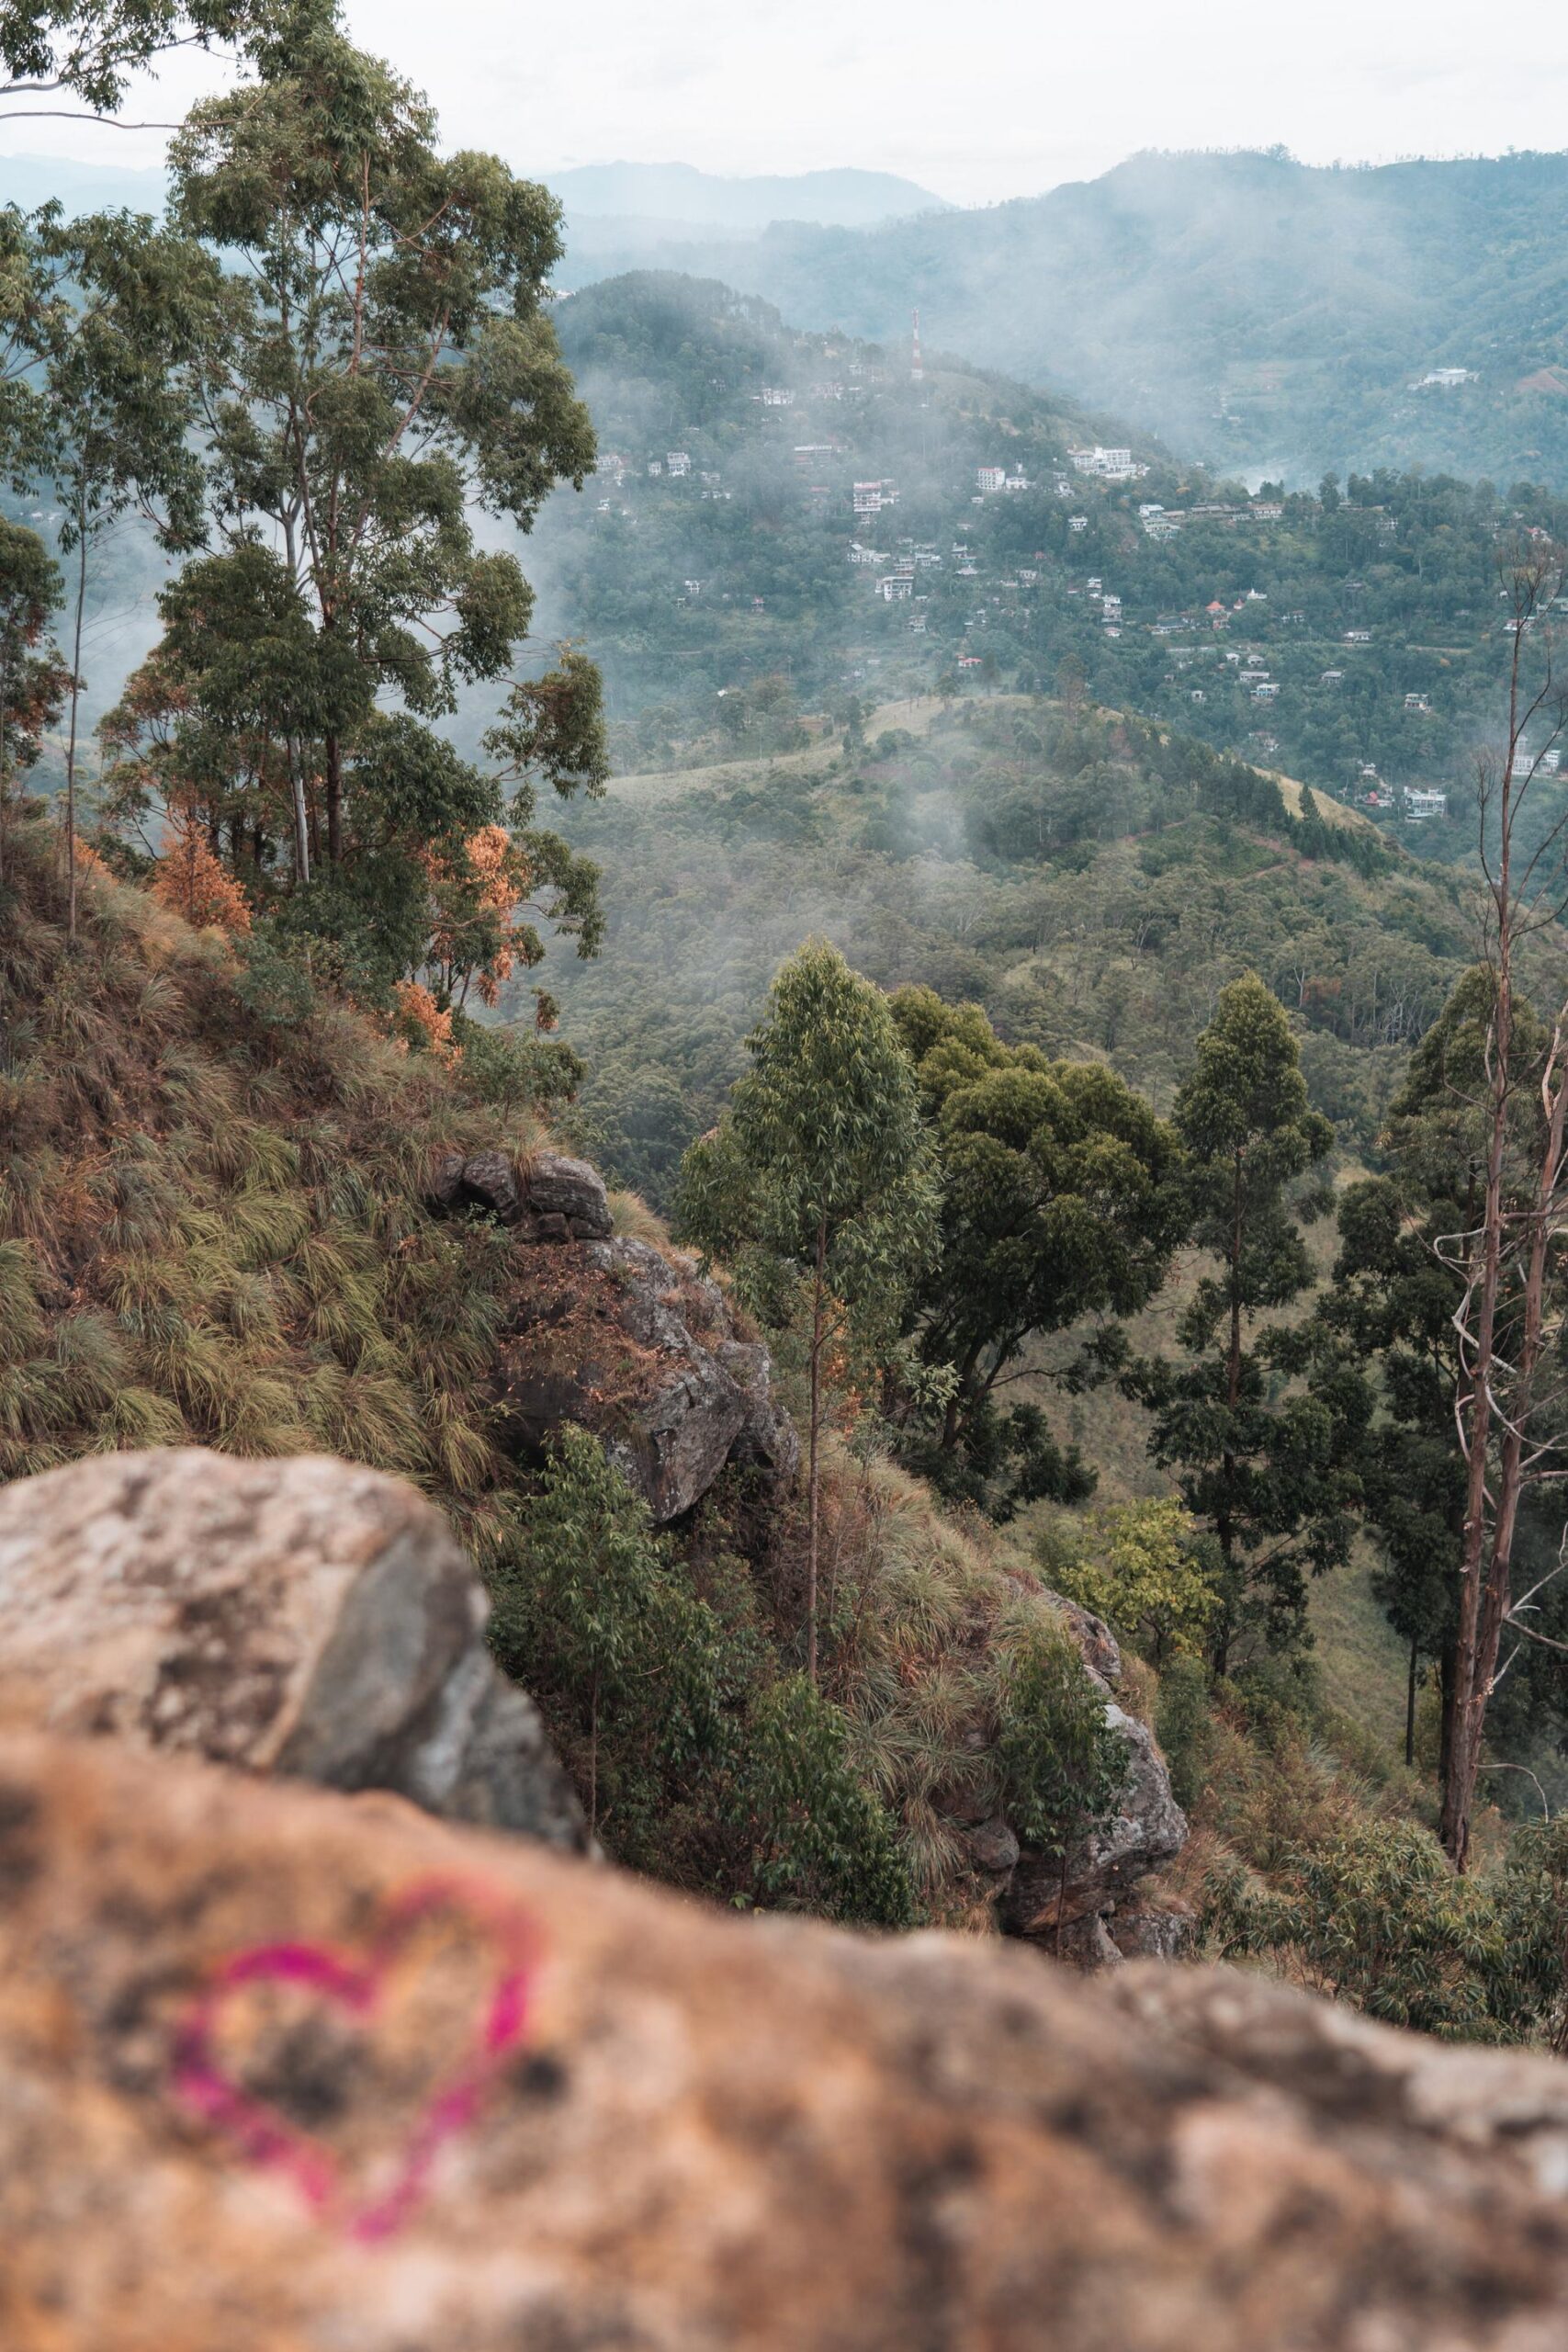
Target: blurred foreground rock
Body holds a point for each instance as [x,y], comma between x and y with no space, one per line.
[302,1616]
[290,2071]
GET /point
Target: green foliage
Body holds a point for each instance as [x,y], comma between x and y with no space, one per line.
[1063,1766]
[1184,1726]
[1146,1567]
[33,678]
[1375,1917]
[1274,1475]
[1057,1204]
[821,1162]
[590,1611]
[821,1840]
[92,47]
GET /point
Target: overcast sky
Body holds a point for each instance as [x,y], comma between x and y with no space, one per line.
[995,98]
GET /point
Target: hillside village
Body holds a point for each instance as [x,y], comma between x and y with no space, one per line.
[869,523]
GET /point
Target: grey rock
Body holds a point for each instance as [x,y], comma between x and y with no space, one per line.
[769,1440]
[304,1617]
[559,1186]
[1161,1928]
[486,1180]
[1148,1828]
[613,1336]
[993,1846]
[1093,1636]
[551,1198]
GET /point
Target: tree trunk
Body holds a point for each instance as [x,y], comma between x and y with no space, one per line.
[819,1287]
[301,819]
[71,740]
[1489,1594]
[1485,1557]
[334,799]
[1410,1703]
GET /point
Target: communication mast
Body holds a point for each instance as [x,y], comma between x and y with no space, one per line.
[916,372]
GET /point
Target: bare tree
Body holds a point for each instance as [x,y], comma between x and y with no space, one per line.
[1510,1314]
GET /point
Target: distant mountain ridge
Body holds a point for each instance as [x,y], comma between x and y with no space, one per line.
[650,199]
[679,193]
[32,180]
[1269,318]
[1262,314]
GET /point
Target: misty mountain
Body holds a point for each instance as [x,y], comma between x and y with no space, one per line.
[32,180]
[679,193]
[1258,313]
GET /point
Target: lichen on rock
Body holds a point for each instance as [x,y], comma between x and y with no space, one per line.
[303,1616]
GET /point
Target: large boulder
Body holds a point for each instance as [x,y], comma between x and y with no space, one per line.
[301,1616]
[544,1197]
[637,1349]
[1066,1902]
[290,2071]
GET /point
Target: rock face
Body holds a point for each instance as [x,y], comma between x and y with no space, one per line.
[301,1616]
[290,2071]
[637,1349]
[609,1333]
[546,1197]
[1148,1828]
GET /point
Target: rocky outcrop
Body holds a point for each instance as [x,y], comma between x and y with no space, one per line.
[612,1334]
[1148,1827]
[639,1350]
[545,1197]
[289,2071]
[301,1616]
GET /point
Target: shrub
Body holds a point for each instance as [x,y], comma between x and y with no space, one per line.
[1372,1914]
[1063,1766]
[821,1841]
[591,1614]
[1184,1727]
[1146,1567]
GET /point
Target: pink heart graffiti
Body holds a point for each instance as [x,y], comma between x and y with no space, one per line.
[355,1985]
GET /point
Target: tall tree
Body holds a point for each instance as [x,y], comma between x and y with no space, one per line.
[1058,1202]
[1390,1314]
[121,410]
[818,1178]
[1507,1260]
[33,677]
[390,368]
[1273,1475]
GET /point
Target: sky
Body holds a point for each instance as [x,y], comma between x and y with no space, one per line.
[1000,98]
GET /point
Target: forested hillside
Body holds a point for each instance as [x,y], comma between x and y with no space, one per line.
[1092,884]
[1019,1063]
[1257,312]
[785,521]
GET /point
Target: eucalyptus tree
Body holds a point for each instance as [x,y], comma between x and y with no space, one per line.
[1059,1202]
[819,1178]
[388,368]
[120,398]
[33,677]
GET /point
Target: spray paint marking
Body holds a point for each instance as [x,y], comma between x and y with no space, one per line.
[355,1985]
